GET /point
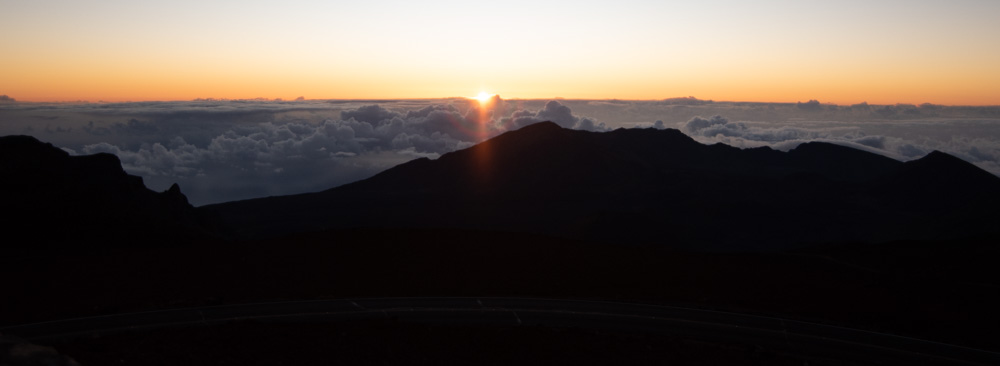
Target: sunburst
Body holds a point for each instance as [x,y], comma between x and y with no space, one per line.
[483,97]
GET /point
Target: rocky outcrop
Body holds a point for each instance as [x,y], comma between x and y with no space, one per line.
[53,200]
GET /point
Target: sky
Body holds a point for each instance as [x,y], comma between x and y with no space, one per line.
[843,52]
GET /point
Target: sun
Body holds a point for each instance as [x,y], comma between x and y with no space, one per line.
[483,97]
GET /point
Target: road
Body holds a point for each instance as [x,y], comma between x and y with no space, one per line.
[804,339]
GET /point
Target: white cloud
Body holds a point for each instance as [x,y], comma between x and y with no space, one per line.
[226,150]
[982,151]
[291,156]
[555,112]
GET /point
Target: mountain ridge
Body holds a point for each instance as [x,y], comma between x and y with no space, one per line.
[611,210]
[630,186]
[60,201]
[643,186]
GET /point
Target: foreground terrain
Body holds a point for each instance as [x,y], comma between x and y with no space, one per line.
[854,287]
[821,234]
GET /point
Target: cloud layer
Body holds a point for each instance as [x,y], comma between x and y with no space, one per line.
[287,156]
[238,149]
[982,151]
[555,112]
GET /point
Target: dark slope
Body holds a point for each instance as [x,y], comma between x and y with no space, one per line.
[626,186]
[887,288]
[646,186]
[54,200]
[943,196]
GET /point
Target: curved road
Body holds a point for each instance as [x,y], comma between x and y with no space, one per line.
[804,339]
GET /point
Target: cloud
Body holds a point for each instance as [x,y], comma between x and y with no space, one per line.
[982,151]
[221,150]
[370,114]
[685,101]
[718,127]
[286,156]
[811,105]
[698,124]
[659,125]
[135,127]
[555,112]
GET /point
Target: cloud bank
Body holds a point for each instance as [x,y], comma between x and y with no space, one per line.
[287,156]
[982,151]
[223,150]
[555,112]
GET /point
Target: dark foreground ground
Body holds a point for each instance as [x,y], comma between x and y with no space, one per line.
[386,342]
[938,291]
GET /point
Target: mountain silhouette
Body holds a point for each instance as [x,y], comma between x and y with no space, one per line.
[649,186]
[541,211]
[54,200]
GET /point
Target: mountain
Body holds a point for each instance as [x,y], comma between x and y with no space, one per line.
[648,186]
[538,212]
[54,200]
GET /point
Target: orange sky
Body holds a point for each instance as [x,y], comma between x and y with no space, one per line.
[780,51]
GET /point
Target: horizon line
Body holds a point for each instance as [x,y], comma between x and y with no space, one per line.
[302,99]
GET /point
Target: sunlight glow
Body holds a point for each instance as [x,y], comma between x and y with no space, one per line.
[483,97]
[936,52]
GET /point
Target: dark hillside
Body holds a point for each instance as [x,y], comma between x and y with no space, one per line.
[56,201]
[648,187]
